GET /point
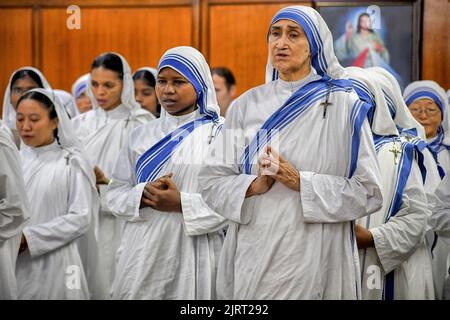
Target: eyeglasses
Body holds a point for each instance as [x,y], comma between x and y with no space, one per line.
[429,112]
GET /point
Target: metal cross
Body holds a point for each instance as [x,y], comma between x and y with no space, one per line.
[408,137]
[326,103]
[396,153]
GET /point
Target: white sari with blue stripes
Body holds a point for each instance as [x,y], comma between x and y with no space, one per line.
[285,244]
[169,255]
[398,267]
[166,255]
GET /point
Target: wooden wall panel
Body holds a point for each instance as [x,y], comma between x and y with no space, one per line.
[16,43]
[229,32]
[237,38]
[436,42]
[141,35]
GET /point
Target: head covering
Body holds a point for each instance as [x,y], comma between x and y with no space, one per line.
[80,85]
[323,59]
[431,90]
[9,113]
[426,89]
[127,96]
[66,136]
[370,92]
[190,63]
[393,95]
[153,71]
[68,103]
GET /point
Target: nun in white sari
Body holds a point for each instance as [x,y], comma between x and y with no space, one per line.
[103,134]
[79,94]
[439,146]
[294,239]
[169,254]
[60,185]
[9,110]
[13,212]
[394,261]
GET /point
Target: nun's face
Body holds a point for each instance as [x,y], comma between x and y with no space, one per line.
[83,103]
[145,96]
[34,124]
[289,50]
[175,93]
[428,114]
[19,87]
[107,87]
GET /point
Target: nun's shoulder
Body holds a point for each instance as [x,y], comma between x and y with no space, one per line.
[82,118]
[145,129]
[256,92]
[144,116]
[348,96]
[255,95]
[6,136]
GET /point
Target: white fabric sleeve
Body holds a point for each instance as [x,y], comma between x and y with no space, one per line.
[13,197]
[397,239]
[56,233]
[222,185]
[123,197]
[328,198]
[198,217]
[440,219]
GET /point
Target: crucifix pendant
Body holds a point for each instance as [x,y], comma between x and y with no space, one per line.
[326,103]
[396,151]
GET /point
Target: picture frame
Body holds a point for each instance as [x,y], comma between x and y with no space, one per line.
[376,33]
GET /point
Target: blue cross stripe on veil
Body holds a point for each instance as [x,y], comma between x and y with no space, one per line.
[435,147]
[294,107]
[425,93]
[80,89]
[364,94]
[390,104]
[360,111]
[150,164]
[318,60]
[403,172]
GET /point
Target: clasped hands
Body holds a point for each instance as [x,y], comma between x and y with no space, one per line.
[162,195]
[273,167]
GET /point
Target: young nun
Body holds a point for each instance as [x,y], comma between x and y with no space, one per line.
[292,230]
[394,261]
[13,212]
[60,186]
[144,90]
[428,104]
[79,93]
[171,239]
[21,81]
[103,131]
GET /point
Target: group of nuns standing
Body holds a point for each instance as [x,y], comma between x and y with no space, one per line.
[324,183]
